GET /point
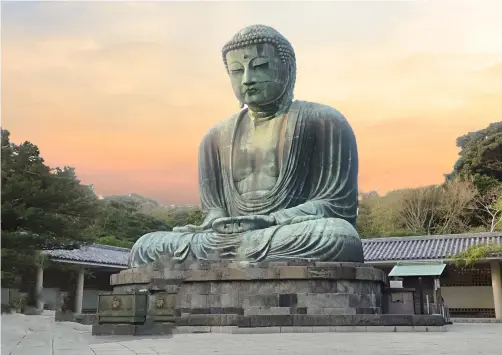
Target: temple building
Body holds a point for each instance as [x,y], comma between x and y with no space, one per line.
[422,263]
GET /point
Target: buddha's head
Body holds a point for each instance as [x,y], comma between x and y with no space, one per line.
[262,68]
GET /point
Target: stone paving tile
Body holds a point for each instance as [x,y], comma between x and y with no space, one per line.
[33,335]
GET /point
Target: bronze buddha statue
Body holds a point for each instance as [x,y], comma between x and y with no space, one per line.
[278,180]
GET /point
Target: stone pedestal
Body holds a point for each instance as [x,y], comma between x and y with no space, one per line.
[280,289]
[122,308]
[142,309]
[218,296]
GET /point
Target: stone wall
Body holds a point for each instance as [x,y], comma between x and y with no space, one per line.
[278,288]
[224,295]
[280,297]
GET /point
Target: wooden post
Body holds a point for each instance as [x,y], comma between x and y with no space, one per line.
[421,294]
[79,291]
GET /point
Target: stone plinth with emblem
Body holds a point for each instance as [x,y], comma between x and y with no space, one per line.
[234,296]
[140,309]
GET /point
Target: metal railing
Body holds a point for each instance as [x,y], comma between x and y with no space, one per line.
[441,309]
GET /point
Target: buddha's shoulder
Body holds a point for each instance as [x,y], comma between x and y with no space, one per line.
[222,128]
[319,112]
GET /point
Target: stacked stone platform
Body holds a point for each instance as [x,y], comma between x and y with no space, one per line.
[265,289]
[273,296]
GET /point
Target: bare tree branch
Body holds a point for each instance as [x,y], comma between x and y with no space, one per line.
[490,207]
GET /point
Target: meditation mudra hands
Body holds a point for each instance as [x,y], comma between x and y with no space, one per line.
[230,225]
[241,224]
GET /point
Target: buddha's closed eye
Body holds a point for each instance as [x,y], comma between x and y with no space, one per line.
[260,63]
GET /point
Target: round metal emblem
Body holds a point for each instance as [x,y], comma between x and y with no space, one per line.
[159,302]
[115,303]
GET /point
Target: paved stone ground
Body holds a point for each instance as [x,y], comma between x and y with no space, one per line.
[40,335]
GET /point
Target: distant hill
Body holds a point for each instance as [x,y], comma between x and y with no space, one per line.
[172,214]
[141,201]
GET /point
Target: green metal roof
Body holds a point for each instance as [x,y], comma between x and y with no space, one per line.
[418,269]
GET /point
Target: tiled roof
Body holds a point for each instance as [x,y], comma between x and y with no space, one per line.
[425,247]
[376,249]
[104,255]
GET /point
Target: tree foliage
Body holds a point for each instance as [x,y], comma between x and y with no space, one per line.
[435,209]
[477,252]
[42,208]
[114,241]
[470,200]
[481,157]
[121,222]
[489,208]
[178,216]
[438,209]
[379,216]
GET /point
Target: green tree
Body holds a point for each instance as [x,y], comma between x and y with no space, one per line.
[179,215]
[476,253]
[435,209]
[112,240]
[379,216]
[481,157]
[121,222]
[42,208]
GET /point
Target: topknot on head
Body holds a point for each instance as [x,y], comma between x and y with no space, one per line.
[260,34]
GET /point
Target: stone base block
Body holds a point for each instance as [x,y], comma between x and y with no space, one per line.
[271,297]
[83,318]
[118,308]
[336,329]
[273,288]
[62,316]
[86,319]
[7,309]
[32,311]
[133,329]
[297,320]
[304,329]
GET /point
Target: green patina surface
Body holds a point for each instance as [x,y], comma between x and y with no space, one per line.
[122,308]
[418,269]
[162,306]
[278,180]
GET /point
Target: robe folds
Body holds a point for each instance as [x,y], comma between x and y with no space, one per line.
[314,200]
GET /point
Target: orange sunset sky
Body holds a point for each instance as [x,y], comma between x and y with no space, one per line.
[125,91]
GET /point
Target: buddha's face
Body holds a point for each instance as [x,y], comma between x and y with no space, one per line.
[258,76]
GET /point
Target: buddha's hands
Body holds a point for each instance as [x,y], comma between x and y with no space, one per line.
[230,225]
[191,228]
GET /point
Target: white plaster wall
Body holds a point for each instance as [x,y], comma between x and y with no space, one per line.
[468,296]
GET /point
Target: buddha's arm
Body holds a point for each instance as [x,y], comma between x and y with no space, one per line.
[333,171]
[315,209]
[210,184]
[210,178]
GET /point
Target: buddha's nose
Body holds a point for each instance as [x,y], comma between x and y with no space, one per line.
[248,78]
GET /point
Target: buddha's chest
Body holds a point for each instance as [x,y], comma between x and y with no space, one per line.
[257,148]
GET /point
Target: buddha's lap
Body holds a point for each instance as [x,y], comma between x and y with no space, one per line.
[319,228]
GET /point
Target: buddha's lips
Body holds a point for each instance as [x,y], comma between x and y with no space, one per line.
[254,89]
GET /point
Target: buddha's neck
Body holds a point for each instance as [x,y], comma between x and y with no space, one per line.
[263,113]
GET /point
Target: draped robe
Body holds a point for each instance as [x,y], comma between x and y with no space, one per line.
[314,200]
